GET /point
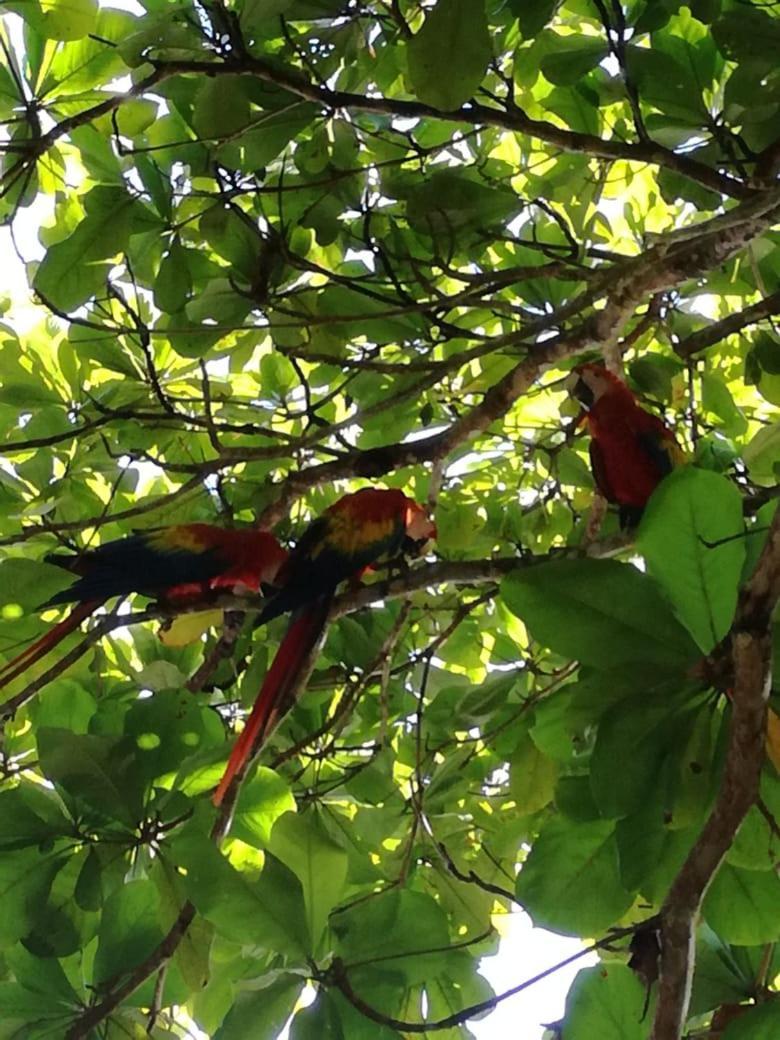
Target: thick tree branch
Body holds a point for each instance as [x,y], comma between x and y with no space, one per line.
[510,118]
[750,644]
[718,330]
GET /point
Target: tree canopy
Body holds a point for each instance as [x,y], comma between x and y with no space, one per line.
[291,247]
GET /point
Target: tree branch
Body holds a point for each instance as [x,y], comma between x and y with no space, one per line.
[473,114]
[750,645]
[718,330]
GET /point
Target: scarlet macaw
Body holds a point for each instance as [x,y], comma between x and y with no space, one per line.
[631,450]
[350,536]
[175,565]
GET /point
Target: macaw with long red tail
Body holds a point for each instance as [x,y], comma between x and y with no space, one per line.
[179,565]
[349,537]
[631,450]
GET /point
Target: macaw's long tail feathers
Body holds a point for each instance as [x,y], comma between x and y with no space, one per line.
[48,641]
[272,702]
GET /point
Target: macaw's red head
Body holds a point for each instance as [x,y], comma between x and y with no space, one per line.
[420,529]
[590,382]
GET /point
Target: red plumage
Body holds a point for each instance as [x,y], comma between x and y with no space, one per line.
[186,563]
[631,450]
[350,536]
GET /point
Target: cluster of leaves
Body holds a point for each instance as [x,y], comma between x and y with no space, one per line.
[286,244]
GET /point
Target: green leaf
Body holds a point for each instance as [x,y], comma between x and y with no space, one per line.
[271,132]
[32,1009]
[600,612]
[606,1001]
[168,728]
[758,1023]
[762,454]
[303,844]
[454,36]
[571,57]
[96,770]
[129,929]
[59,19]
[268,911]
[718,978]
[634,739]
[30,815]
[392,920]
[570,882]
[75,268]
[688,512]
[26,877]
[174,281]
[665,83]
[532,15]
[221,108]
[532,777]
[41,975]
[261,1008]
[747,33]
[743,906]
[66,704]
[262,800]
[29,583]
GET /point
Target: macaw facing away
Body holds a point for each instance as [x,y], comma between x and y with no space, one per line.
[350,536]
[631,450]
[178,565]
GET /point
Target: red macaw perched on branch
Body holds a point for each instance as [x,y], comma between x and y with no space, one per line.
[176,565]
[350,536]
[631,450]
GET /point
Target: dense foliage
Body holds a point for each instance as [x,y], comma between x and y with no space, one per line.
[288,246]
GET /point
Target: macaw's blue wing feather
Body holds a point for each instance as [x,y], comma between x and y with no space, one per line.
[139,563]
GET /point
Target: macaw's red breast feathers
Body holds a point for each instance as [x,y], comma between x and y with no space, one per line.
[351,535]
[183,563]
[631,450]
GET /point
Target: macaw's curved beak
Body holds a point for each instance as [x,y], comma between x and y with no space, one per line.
[579,389]
[419,546]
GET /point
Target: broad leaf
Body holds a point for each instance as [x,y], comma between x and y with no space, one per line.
[601,612]
[454,35]
[692,539]
[570,882]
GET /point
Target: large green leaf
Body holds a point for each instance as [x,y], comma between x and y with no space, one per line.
[25,879]
[97,771]
[598,611]
[759,1023]
[261,1010]
[74,269]
[130,929]
[634,740]
[454,36]
[743,906]
[572,57]
[605,1001]
[30,815]
[570,882]
[691,538]
[303,844]
[268,911]
[263,799]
